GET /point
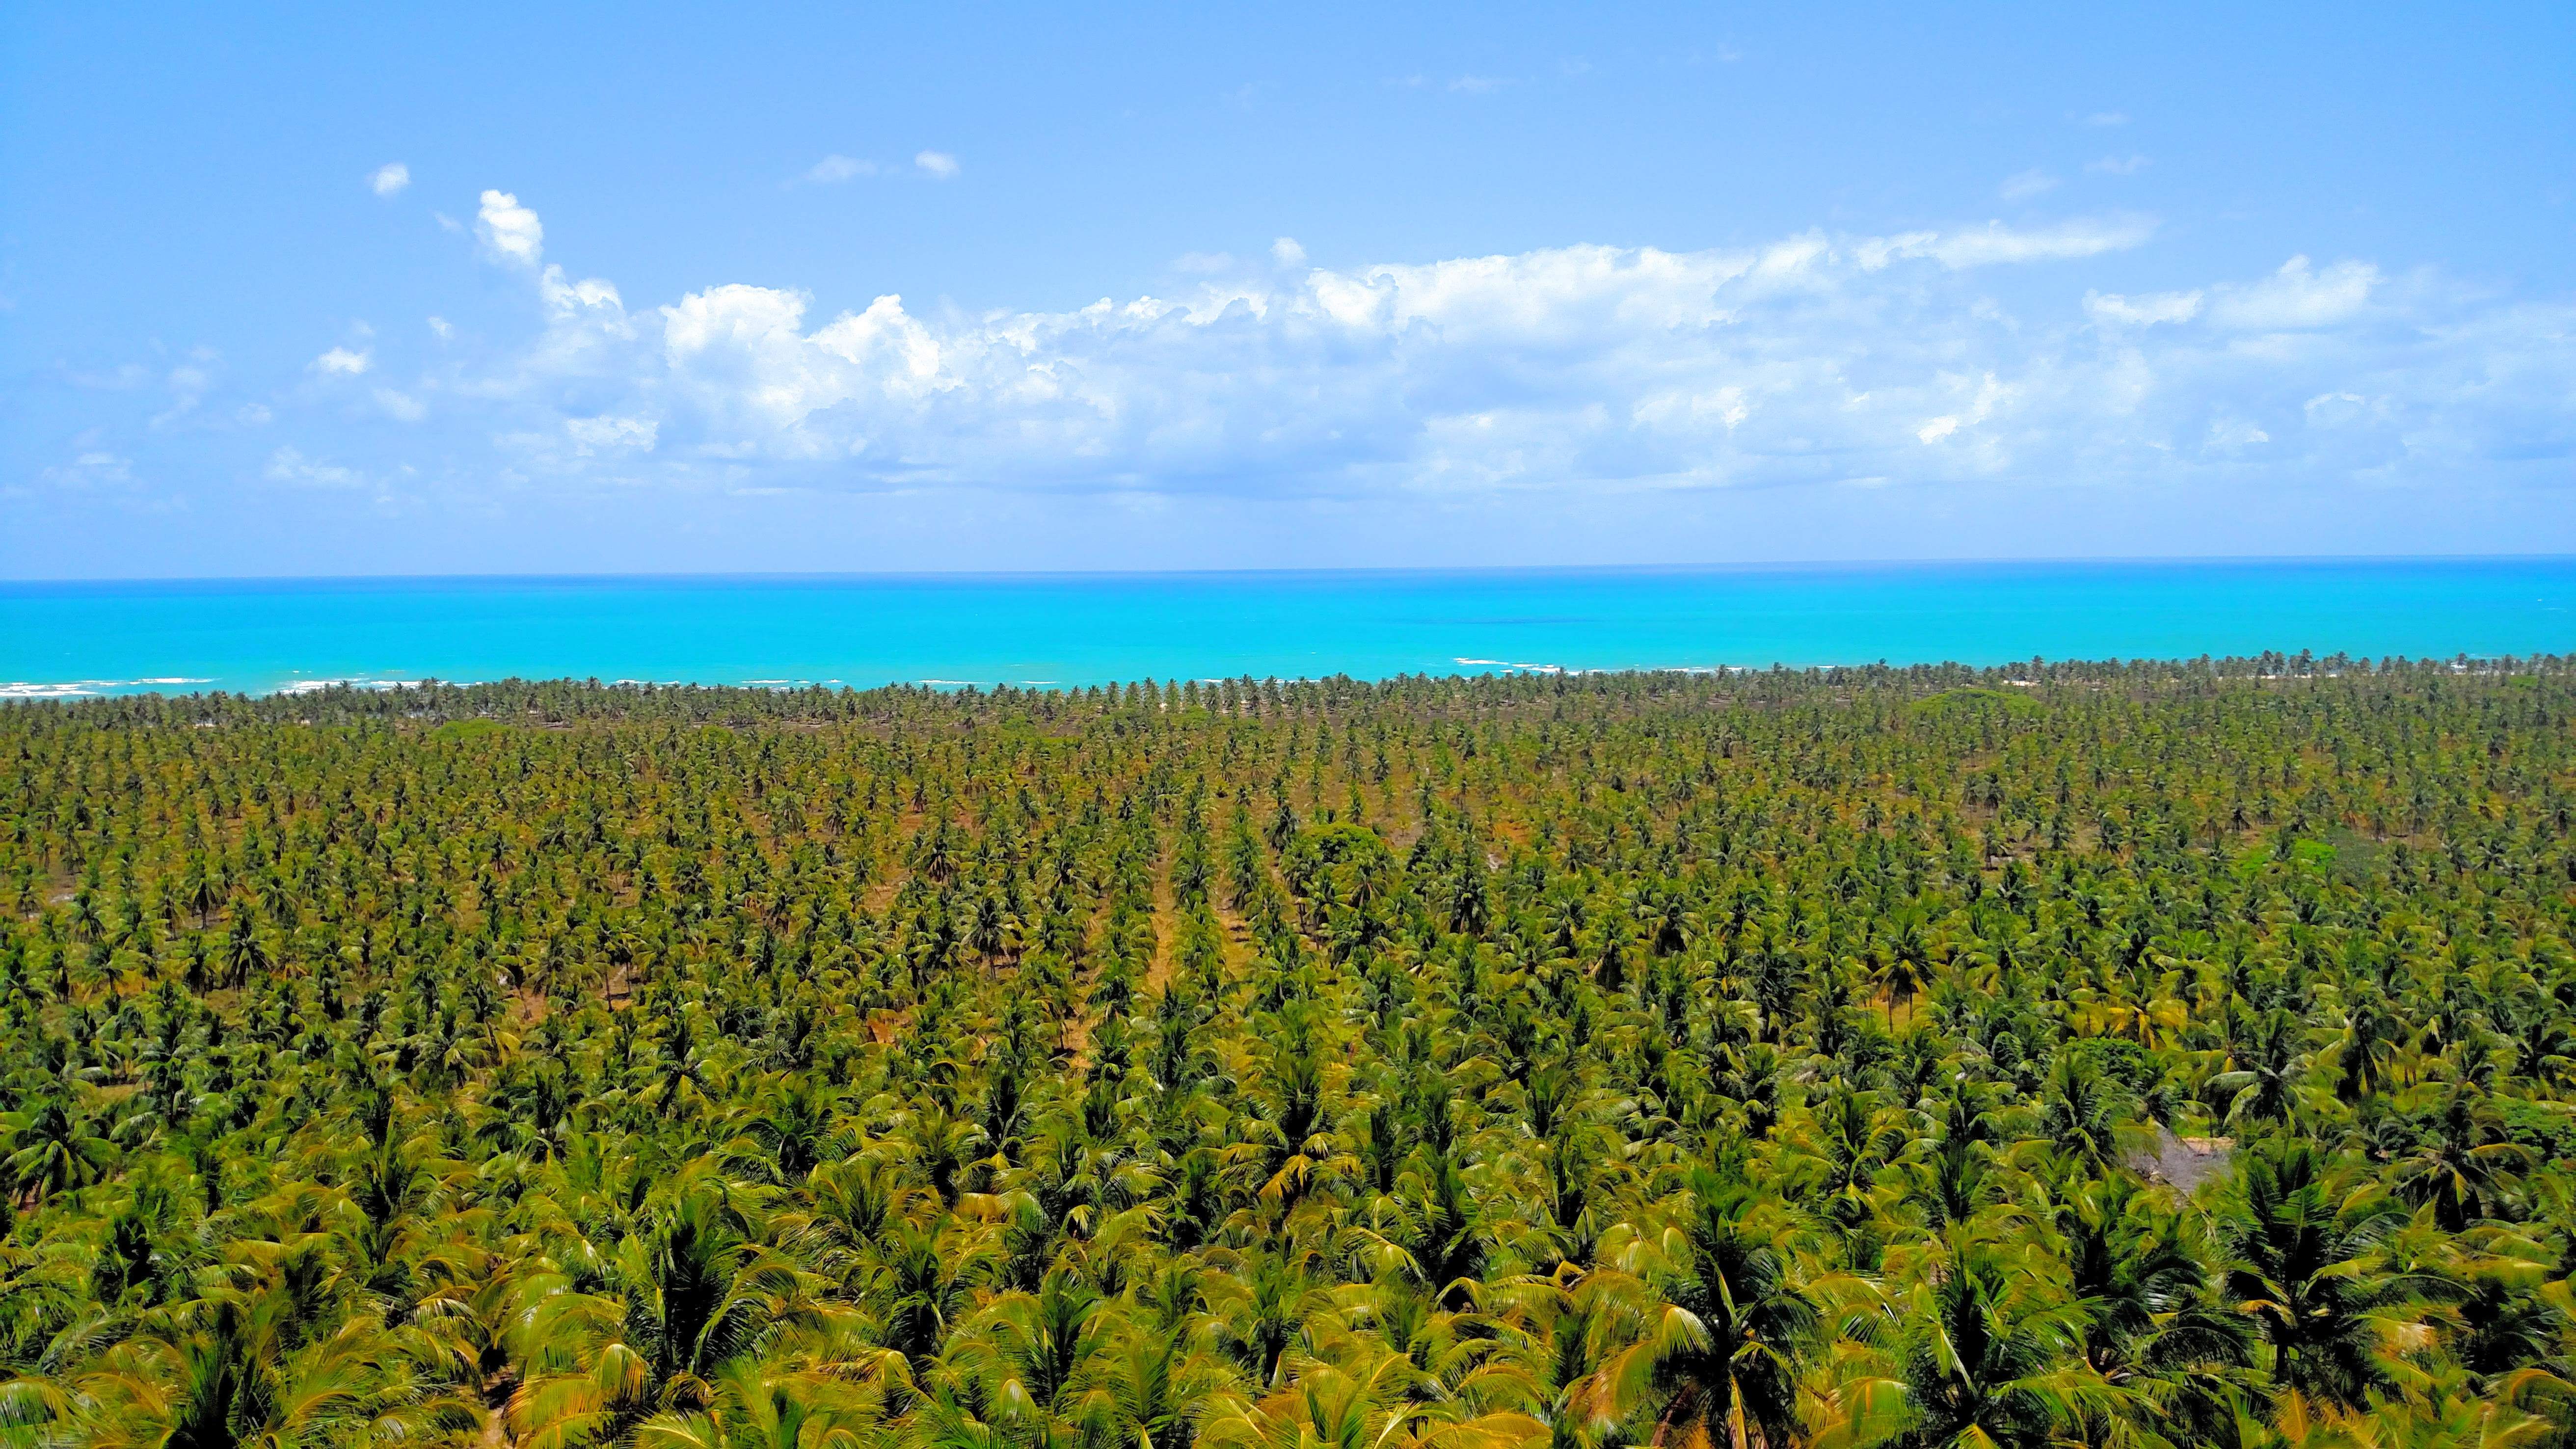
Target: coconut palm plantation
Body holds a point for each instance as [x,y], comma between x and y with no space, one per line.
[2162,1054]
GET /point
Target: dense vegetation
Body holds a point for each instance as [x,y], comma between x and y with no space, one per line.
[2106,1055]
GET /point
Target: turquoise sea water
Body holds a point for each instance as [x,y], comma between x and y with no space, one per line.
[260,636]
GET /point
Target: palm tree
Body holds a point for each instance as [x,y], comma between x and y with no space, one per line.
[245,955]
[2301,1234]
[2148,1329]
[2460,1166]
[1033,1350]
[2085,1115]
[1983,1364]
[925,1288]
[2264,1086]
[757,1405]
[52,1151]
[1721,1327]
[254,1369]
[693,1295]
[1369,1404]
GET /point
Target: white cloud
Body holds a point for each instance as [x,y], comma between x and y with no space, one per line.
[837,168]
[2023,185]
[389,179]
[252,415]
[570,296]
[2117,165]
[93,469]
[1814,359]
[400,405]
[510,232]
[289,465]
[512,235]
[189,382]
[1996,243]
[2106,118]
[938,163]
[2296,297]
[441,328]
[342,361]
[1204,261]
[1477,85]
[2142,311]
[592,434]
[1287,253]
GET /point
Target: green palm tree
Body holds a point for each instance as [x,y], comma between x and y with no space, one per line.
[52,1151]
[690,1297]
[1722,1328]
[1984,1366]
[2302,1232]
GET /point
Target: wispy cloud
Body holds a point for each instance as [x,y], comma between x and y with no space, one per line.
[2117,165]
[2023,185]
[95,468]
[837,168]
[937,164]
[1996,243]
[343,362]
[389,179]
[289,465]
[2106,118]
[2142,311]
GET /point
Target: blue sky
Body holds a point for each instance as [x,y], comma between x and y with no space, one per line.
[514,288]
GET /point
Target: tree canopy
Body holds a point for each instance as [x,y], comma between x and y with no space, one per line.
[2121,1054]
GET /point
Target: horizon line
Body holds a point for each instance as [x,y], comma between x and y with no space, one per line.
[1384,570]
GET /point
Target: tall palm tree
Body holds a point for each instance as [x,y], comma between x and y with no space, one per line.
[2302,1232]
[1984,1364]
[51,1151]
[691,1295]
[1720,1327]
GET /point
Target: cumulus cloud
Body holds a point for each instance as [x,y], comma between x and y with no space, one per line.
[343,362]
[1287,253]
[938,164]
[510,232]
[389,179]
[1817,358]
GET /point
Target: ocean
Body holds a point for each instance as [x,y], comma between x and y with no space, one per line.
[260,636]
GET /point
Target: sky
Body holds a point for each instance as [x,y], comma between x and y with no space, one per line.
[564,289]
